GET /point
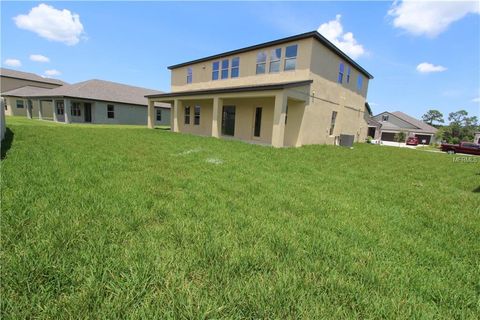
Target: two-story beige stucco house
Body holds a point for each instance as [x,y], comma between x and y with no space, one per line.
[289,92]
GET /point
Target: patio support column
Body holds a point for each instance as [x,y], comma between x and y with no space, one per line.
[40,110]
[55,118]
[217,117]
[28,104]
[67,107]
[177,104]
[279,112]
[151,114]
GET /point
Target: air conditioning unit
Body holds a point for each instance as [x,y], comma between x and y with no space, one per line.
[346,140]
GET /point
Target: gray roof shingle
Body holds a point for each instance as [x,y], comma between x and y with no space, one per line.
[26,91]
[28,76]
[420,124]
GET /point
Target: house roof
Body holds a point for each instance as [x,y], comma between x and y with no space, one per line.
[26,91]
[417,123]
[101,90]
[312,34]
[373,123]
[264,87]
[9,73]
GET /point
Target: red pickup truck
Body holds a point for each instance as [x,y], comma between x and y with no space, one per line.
[463,147]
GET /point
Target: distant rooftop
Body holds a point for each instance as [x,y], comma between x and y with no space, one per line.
[100,90]
[4,72]
[26,91]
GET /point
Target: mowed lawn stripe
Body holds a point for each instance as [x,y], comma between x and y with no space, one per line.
[122,221]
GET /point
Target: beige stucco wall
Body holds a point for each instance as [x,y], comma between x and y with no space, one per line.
[202,72]
[7,84]
[206,109]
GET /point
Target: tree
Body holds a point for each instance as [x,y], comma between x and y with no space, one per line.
[433,115]
[461,127]
[400,136]
[458,117]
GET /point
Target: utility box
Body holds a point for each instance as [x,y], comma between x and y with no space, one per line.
[346,140]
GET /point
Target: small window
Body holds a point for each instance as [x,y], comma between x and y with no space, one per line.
[196,119]
[60,108]
[110,111]
[349,70]
[189,75]
[258,122]
[225,69]
[332,124]
[290,57]
[215,70]
[359,83]
[261,62]
[385,117]
[76,109]
[20,104]
[159,114]
[275,56]
[341,69]
[187,115]
[235,67]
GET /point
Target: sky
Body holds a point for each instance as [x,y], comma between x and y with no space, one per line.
[424,55]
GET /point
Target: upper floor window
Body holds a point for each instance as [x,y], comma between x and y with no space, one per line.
[359,82]
[189,75]
[290,57]
[385,117]
[215,70]
[235,67]
[76,109]
[261,62]
[110,111]
[275,56]
[159,114]
[187,115]
[20,104]
[341,69]
[349,70]
[196,118]
[225,69]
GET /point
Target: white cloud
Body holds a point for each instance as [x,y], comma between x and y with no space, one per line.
[430,18]
[12,62]
[333,31]
[39,58]
[477,99]
[52,73]
[52,24]
[426,67]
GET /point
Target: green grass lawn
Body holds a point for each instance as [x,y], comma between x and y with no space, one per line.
[125,222]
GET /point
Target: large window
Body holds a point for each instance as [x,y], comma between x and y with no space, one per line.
[235,67]
[349,70]
[225,69]
[258,122]
[60,108]
[332,124]
[159,114]
[215,70]
[187,115]
[196,119]
[275,56]
[76,109]
[341,69]
[290,57]
[359,83]
[189,75]
[385,117]
[110,111]
[20,104]
[261,62]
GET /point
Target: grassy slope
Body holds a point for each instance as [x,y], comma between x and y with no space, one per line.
[129,222]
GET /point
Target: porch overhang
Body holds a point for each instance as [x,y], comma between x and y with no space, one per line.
[263,90]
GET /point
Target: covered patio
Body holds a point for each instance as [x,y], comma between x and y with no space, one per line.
[267,114]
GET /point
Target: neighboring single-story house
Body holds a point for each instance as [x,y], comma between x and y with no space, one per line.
[14,79]
[477,137]
[385,125]
[92,101]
